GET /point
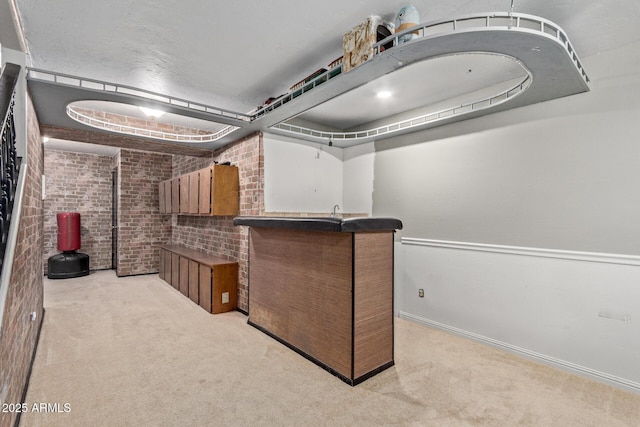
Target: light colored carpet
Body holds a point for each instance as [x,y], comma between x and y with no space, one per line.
[135,352]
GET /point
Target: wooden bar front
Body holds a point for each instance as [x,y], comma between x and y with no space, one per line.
[327,295]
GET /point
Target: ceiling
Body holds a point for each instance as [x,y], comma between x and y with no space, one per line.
[425,83]
[235,55]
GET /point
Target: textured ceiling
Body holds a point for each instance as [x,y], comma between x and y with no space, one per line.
[236,54]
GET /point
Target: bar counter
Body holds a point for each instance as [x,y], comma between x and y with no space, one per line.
[324,288]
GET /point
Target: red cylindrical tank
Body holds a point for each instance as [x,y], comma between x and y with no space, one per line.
[68,231]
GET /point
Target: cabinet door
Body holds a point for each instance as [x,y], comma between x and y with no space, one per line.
[184,276]
[194,277]
[184,194]
[194,193]
[167,266]
[204,201]
[167,197]
[224,296]
[175,270]
[161,200]
[205,287]
[175,195]
[225,190]
[161,264]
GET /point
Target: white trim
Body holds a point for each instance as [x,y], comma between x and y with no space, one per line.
[526,251]
[600,376]
[7,264]
[150,133]
[418,121]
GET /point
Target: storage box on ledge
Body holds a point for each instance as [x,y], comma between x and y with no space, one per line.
[357,44]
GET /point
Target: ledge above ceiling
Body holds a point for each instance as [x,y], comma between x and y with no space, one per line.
[552,67]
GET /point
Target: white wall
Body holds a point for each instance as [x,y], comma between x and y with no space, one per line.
[358,178]
[562,175]
[302,176]
[577,311]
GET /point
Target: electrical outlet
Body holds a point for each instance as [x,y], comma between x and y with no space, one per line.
[225,297]
[421,293]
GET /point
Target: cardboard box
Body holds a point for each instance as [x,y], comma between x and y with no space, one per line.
[357,44]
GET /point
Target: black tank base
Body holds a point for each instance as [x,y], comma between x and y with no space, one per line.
[67,265]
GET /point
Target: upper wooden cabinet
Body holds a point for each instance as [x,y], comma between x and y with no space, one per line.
[214,190]
[184,194]
[194,196]
[222,190]
[175,195]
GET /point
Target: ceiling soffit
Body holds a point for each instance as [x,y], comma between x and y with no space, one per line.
[542,48]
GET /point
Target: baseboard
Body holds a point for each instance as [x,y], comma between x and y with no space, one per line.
[133,275]
[548,360]
[33,359]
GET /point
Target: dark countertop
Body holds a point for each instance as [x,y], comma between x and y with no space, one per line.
[347,225]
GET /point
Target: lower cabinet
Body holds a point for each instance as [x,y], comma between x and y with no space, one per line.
[209,281]
[175,270]
[194,281]
[184,276]
[217,287]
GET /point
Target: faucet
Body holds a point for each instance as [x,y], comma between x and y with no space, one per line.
[335,207]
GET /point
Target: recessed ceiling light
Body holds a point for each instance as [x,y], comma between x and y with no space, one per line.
[150,112]
[45,139]
[384,94]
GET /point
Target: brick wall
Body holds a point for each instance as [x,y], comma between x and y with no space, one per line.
[25,293]
[217,235]
[79,182]
[141,228]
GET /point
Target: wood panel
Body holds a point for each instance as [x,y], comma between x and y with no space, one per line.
[184,193]
[373,301]
[175,271]
[204,285]
[204,201]
[225,280]
[175,195]
[168,206]
[161,265]
[300,291]
[167,267]
[225,190]
[194,195]
[194,277]
[184,276]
